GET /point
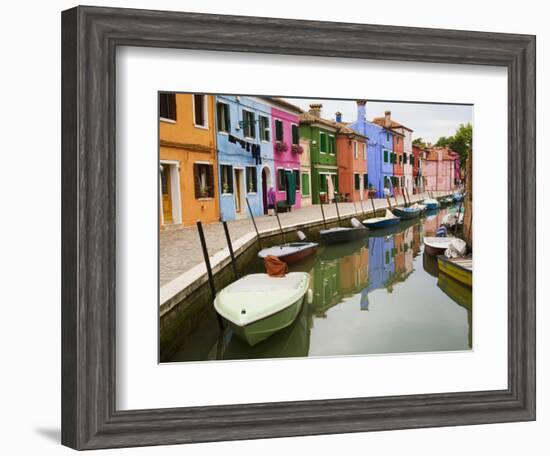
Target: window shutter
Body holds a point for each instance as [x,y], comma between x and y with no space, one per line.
[197,179]
[230,178]
[226,117]
[210,180]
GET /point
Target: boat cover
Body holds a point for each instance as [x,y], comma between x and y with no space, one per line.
[257,296]
[275,267]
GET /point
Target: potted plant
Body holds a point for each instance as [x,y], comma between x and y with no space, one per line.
[281,146]
[297,149]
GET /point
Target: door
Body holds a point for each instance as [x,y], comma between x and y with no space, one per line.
[238,190]
[264,189]
[166,194]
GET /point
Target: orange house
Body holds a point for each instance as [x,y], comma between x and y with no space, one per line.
[398,164]
[352,164]
[187,151]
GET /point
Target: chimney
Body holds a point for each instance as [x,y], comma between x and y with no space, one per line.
[338,116]
[315,109]
[387,119]
[361,110]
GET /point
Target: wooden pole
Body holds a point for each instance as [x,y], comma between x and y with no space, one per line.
[408,196]
[323,212]
[373,208]
[209,270]
[254,221]
[230,247]
[362,209]
[279,222]
[389,202]
[337,211]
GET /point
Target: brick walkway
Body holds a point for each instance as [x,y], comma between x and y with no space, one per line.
[180,248]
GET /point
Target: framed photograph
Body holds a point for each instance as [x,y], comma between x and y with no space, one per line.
[269,227]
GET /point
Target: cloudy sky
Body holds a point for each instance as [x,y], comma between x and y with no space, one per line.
[428,121]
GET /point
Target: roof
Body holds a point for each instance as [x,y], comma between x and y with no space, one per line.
[448,154]
[382,122]
[283,104]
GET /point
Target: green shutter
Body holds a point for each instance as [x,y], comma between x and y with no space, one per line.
[305,184]
[323,141]
[385,156]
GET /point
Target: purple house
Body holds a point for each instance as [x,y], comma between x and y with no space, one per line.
[286,151]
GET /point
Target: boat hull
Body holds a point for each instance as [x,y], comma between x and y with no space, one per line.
[340,236]
[431,206]
[379,224]
[455,271]
[295,256]
[406,215]
[434,251]
[258,331]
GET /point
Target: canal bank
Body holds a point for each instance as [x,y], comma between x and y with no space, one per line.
[185,302]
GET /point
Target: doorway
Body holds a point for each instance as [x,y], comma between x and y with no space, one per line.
[239,190]
[166,188]
[266,185]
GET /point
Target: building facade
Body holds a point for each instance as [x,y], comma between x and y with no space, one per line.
[305,172]
[379,151]
[321,135]
[286,152]
[187,152]
[418,178]
[245,155]
[398,175]
[439,169]
[352,164]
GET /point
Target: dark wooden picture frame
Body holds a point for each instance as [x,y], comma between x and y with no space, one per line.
[90,37]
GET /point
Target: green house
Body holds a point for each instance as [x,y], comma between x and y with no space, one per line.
[321,134]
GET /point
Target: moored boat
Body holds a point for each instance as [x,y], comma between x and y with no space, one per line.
[431,204]
[258,305]
[291,252]
[459,268]
[344,233]
[436,245]
[382,222]
[406,213]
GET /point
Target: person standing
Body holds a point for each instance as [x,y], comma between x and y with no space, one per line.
[271,201]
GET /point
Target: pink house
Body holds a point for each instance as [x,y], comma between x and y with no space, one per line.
[286,152]
[440,169]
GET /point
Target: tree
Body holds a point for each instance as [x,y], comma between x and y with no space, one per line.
[461,142]
[419,142]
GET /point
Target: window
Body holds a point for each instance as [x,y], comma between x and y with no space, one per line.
[323,183]
[385,156]
[364,151]
[400,159]
[278,130]
[404,159]
[249,124]
[297,178]
[331,144]
[167,108]
[251,179]
[323,140]
[224,122]
[281,181]
[357,181]
[365,181]
[355,149]
[204,180]
[412,159]
[199,103]
[226,177]
[295,134]
[264,128]
[397,140]
[387,137]
[305,184]
[387,256]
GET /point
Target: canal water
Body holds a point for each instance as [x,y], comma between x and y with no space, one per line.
[379,295]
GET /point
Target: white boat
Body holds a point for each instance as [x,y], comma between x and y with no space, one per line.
[437,245]
[291,252]
[258,305]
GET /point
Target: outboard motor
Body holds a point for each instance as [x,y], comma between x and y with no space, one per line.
[356,223]
[301,235]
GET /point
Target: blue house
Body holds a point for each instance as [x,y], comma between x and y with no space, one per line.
[379,151]
[245,155]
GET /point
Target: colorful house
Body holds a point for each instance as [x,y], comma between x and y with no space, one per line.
[352,163]
[439,169]
[403,150]
[418,158]
[379,151]
[287,151]
[187,150]
[305,172]
[245,155]
[321,135]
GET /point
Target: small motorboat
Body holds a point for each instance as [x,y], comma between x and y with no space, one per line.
[457,196]
[258,305]
[459,268]
[406,213]
[291,252]
[340,234]
[382,222]
[431,204]
[437,245]
[446,200]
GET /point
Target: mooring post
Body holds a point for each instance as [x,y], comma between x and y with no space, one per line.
[337,211]
[323,212]
[279,222]
[362,209]
[254,221]
[230,247]
[373,208]
[208,270]
[389,202]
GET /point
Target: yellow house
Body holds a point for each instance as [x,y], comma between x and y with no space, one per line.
[188,168]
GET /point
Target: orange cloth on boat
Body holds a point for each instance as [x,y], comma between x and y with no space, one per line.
[275,267]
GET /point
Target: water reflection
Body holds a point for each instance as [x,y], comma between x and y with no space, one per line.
[377,295]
